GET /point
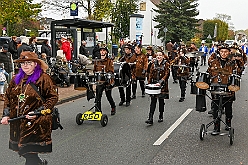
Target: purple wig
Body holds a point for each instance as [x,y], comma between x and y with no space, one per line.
[32,78]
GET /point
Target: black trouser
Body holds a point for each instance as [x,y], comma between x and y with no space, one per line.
[128,93]
[153,105]
[64,77]
[203,60]
[134,86]
[227,106]
[183,86]
[32,159]
[174,72]
[99,91]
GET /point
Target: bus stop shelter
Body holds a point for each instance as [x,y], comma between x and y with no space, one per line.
[71,26]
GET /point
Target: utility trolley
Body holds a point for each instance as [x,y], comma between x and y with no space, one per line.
[218,91]
[84,81]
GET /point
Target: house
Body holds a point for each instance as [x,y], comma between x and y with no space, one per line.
[149,36]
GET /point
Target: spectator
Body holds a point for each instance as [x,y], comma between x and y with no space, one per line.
[6,58]
[83,50]
[24,46]
[33,45]
[13,47]
[45,48]
[96,51]
[66,48]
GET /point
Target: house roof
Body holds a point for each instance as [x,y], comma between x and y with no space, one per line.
[156,2]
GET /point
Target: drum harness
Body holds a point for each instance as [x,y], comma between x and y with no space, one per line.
[158,68]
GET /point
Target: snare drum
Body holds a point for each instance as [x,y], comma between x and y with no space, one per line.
[91,79]
[234,82]
[80,82]
[100,78]
[152,89]
[219,89]
[203,81]
[122,73]
[197,91]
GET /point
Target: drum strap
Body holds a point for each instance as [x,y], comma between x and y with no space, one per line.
[159,68]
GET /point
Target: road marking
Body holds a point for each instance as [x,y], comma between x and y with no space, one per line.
[174,126]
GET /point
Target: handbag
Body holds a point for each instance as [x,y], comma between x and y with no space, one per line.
[55,111]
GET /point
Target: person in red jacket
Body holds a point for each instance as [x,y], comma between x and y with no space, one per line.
[66,47]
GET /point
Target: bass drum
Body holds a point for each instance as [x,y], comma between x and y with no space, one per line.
[122,73]
[80,82]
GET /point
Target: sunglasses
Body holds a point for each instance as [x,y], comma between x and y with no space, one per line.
[26,63]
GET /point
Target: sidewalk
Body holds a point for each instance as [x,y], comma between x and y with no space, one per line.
[65,95]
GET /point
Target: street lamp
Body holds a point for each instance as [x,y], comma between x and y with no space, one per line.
[151,28]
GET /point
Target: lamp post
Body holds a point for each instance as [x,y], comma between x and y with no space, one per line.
[165,30]
[151,28]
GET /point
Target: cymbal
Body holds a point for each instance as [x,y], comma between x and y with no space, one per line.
[185,66]
[75,64]
[194,54]
[221,71]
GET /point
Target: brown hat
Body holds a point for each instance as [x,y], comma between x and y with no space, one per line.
[149,48]
[129,46]
[31,56]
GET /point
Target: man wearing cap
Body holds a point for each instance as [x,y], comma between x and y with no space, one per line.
[203,49]
[224,63]
[128,57]
[6,58]
[151,56]
[105,65]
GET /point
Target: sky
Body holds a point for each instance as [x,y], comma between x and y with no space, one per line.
[237,9]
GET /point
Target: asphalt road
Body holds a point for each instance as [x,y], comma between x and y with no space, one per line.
[128,140]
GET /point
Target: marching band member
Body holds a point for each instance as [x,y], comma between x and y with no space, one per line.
[182,72]
[150,56]
[193,60]
[128,57]
[203,49]
[172,57]
[222,62]
[106,65]
[159,75]
[139,71]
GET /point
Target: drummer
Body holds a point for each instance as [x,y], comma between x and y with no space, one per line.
[105,65]
[128,57]
[159,75]
[182,61]
[139,71]
[172,57]
[224,63]
[150,56]
[193,60]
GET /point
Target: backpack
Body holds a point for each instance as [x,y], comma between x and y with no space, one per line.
[2,76]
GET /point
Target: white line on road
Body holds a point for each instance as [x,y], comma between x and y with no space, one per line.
[174,126]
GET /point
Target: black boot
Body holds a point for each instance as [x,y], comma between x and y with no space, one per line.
[216,130]
[181,99]
[160,118]
[113,111]
[150,119]
[121,103]
[143,94]
[228,124]
[43,162]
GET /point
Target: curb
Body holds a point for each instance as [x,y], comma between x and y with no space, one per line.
[71,98]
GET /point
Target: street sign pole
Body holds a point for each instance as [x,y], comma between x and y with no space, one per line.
[165,30]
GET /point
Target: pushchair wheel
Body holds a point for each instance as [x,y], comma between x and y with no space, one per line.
[202,131]
[104,120]
[231,135]
[79,119]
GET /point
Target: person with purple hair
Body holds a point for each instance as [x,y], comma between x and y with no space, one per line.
[30,135]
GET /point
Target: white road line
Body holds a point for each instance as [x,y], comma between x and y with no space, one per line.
[174,126]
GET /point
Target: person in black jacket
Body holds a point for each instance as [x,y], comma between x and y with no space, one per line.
[24,47]
[33,45]
[6,58]
[45,48]
[83,50]
[13,47]
[96,51]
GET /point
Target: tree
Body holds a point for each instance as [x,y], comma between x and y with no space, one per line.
[222,29]
[95,9]
[178,16]
[120,16]
[18,12]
